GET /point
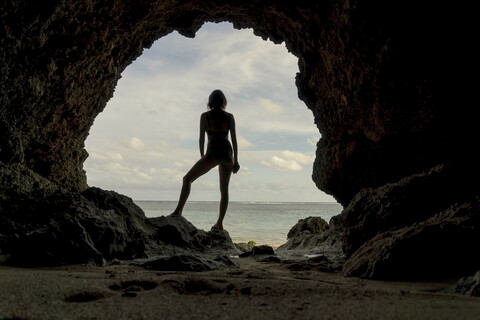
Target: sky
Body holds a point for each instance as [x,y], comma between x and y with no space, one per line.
[146,139]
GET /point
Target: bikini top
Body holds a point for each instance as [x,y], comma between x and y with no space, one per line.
[222,133]
[217,133]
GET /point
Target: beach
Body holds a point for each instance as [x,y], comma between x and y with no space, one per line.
[253,290]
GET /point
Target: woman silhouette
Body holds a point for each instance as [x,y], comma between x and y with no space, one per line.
[216,123]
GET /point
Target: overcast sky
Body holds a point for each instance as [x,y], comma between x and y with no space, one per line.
[146,139]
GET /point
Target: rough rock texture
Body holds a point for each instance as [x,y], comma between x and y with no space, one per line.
[94,227]
[445,244]
[179,232]
[389,83]
[396,205]
[468,286]
[310,225]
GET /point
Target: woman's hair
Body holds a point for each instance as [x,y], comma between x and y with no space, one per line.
[217,100]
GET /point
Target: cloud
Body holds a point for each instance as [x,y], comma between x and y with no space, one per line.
[297,156]
[288,161]
[282,164]
[270,106]
[243,143]
[135,144]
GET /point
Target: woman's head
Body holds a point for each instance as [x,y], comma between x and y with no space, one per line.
[217,100]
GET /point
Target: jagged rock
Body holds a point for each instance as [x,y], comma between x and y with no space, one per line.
[380,101]
[442,246]
[70,228]
[381,92]
[179,232]
[244,247]
[469,286]
[94,227]
[261,253]
[311,224]
[400,204]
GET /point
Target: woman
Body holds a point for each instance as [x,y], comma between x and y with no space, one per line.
[216,123]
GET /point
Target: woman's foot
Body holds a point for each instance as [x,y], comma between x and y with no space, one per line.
[217,227]
[175,214]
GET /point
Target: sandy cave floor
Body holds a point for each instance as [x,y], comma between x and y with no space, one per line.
[253,291]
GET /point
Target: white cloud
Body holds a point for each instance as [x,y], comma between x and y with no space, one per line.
[297,156]
[270,106]
[282,164]
[243,143]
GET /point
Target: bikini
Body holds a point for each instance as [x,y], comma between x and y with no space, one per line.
[219,147]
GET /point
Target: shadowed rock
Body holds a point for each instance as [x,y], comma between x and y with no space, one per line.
[469,286]
[308,225]
[94,227]
[390,99]
[442,246]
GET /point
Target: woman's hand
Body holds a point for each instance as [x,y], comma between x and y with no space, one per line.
[236,167]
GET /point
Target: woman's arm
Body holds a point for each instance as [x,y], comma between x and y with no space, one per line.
[201,139]
[233,134]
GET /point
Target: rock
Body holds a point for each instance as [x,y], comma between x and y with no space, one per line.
[442,246]
[71,228]
[261,253]
[469,286]
[308,226]
[94,227]
[382,105]
[244,247]
[397,205]
[381,109]
[179,232]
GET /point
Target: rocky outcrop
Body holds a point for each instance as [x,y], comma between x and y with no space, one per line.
[408,230]
[441,246]
[308,226]
[400,204]
[469,286]
[94,227]
[388,82]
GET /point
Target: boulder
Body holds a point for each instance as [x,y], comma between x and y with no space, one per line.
[401,204]
[445,245]
[469,286]
[94,227]
[310,225]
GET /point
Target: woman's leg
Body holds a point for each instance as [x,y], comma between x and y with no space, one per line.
[200,168]
[225,171]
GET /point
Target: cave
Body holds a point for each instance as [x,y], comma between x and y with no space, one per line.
[391,87]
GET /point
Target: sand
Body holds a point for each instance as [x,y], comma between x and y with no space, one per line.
[253,291]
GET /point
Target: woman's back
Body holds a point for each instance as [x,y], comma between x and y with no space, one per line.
[217,121]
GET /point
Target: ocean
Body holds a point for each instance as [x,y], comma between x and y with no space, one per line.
[263,222]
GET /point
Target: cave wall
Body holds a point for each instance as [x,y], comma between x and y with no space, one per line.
[387,82]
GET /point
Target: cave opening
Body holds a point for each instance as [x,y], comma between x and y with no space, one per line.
[146,139]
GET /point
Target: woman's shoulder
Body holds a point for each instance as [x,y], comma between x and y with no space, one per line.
[228,114]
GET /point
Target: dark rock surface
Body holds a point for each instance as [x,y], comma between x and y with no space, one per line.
[261,253]
[469,286]
[93,227]
[443,245]
[310,225]
[400,204]
[389,85]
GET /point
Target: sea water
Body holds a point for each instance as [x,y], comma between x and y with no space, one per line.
[263,222]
